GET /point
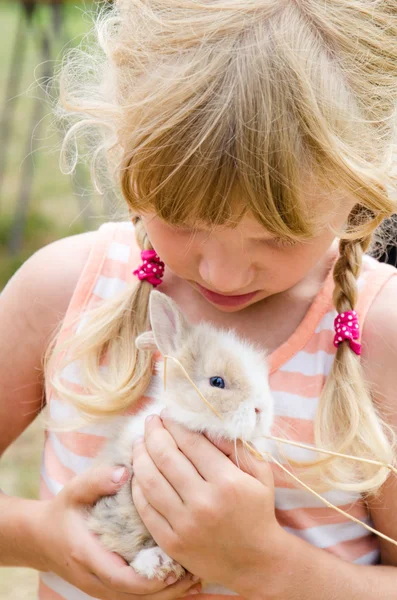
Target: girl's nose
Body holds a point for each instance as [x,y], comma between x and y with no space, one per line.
[226,272]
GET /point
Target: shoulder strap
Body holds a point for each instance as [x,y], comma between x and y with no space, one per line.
[374,276]
[107,270]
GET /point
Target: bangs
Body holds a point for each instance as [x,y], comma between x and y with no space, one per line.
[221,130]
[236,145]
[217,185]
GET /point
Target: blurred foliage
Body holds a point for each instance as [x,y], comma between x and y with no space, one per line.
[55,212]
[55,209]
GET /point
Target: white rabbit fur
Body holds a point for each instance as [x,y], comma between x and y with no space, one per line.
[245,405]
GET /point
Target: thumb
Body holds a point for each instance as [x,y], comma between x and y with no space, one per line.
[90,486]
[248,459]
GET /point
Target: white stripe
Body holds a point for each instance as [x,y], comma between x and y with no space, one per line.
[370,262]
[72,372]
[52,485]
[294,406]
[360,284]
[289,499]
[106,287]
[284,452]
[324,536]
[372,558]
[126,225]
[327,322]
[214,588]
[82,323]
[72,461]
[64,412]
[62,587]
[118,251]
[308,364]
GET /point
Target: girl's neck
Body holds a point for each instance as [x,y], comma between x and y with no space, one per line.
[269,322]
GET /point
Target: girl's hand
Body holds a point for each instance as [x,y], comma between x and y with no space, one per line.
[64,545]
[216,519]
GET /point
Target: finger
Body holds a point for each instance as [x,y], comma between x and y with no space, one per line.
[111,569]
[195,589]
[158,526]
[202,453]
[242,456]
[93,586]
[156,489]
[91,485]
[174,465]
[180,589]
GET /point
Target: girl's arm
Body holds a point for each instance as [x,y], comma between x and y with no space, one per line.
[52,535]
[309,573]
[31,306]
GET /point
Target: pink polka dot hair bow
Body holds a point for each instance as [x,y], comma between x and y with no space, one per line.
[151,269]
[347,328]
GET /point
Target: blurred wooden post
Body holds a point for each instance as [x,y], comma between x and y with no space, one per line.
[27,169]
[28,9]
[12,86]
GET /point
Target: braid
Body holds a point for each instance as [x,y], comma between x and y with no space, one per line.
[347,419]
[348,266]
[141,236]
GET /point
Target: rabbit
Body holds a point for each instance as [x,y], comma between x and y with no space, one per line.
[230,373]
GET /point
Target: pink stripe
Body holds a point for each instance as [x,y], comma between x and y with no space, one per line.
[297,383]
[82,444]
[114,268]
[45,493]
[296,430]
[217,596]
[353,549]
[55,469]
[46,593]
[123,235]
[323,340]
[303,518]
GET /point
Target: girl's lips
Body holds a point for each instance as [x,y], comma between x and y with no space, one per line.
[225,300]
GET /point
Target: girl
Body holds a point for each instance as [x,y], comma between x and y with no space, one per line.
[253,141]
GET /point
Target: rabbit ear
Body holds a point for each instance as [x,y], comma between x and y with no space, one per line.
[169,325]
[146,341]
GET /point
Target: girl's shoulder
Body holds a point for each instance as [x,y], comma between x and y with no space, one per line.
[32,305]
[42,287]
[379,336]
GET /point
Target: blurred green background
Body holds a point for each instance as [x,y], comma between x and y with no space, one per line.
[38,204]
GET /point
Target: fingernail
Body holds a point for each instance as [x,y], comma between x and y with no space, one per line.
[195,578]
[118,475]
[195,590]
[171,579]
[149,418]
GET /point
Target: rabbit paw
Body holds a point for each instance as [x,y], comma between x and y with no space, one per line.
[155,563]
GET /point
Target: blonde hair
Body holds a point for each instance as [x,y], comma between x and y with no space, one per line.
[191,101]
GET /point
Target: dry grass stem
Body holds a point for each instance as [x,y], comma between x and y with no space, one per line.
[267,455]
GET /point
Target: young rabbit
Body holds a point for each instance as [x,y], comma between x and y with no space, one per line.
[229,372]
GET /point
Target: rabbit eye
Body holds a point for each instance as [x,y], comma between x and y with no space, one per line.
[217,382]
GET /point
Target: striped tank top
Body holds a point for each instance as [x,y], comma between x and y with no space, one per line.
[298,369]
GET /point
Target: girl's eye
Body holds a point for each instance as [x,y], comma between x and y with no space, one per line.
[217,382]
[285,243]
[280,242]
